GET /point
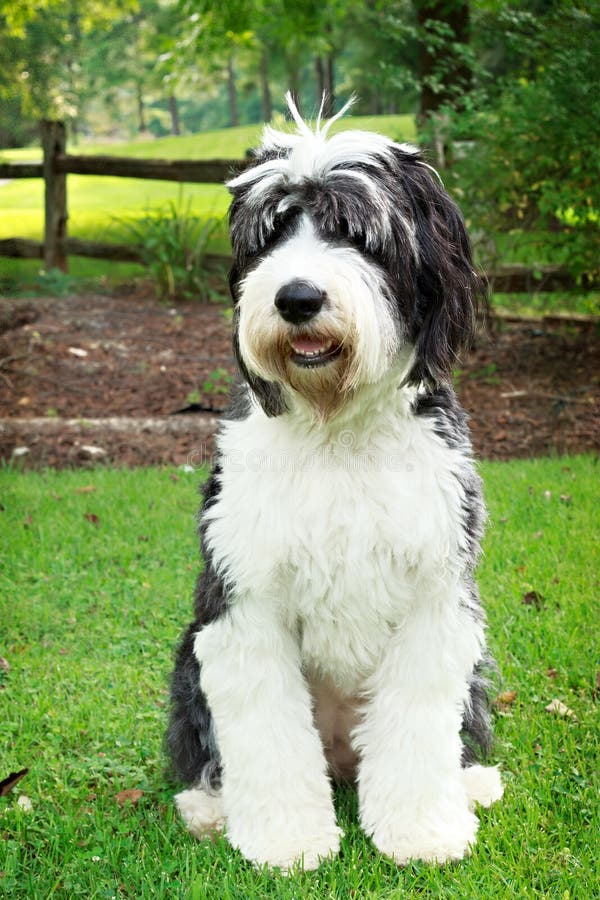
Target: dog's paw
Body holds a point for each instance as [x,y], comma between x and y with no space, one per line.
[286,850]
[440,839]
[202,812]
[483,785]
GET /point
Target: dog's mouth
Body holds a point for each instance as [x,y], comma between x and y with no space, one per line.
[312,352]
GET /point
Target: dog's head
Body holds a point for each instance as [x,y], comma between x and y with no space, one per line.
[349,259]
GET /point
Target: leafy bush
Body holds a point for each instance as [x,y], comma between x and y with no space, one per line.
[531,164]
[173,243]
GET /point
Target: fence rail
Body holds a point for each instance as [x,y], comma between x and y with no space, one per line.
[209,171]
[56,247]
[21,170]
[25,248]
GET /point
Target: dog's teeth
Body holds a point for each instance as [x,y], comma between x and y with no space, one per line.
[302,349]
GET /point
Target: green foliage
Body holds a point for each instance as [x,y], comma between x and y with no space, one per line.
[54,282]
[174,242]
[530,163]
[218,382]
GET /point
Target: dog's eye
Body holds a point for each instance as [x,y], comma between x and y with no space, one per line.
[285,220]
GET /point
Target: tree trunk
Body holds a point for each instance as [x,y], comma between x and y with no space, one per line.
[174,113]
[375,104]
[324,73]
[265,91]
[293,79]
[231,89]
[443,71]
[140,108]
[329,87]
[320,76]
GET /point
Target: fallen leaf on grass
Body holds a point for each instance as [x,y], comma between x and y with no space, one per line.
[7,784]
[505,700]
[533,598]
[130,795]
[86,489]
[92,517]
[4,664]
[558,707]
[551,672]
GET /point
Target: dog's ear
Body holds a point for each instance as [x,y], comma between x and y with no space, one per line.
[268,394]
[449,293]
[244,243]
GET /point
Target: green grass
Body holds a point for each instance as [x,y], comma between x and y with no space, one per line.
[92,609]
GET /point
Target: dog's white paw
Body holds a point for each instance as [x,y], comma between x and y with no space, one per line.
[288,849]
[202,812]
[483,785]
[439,839]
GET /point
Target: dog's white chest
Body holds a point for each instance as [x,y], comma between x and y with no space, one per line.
[332,537]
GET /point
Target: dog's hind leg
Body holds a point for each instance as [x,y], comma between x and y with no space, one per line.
[190,739]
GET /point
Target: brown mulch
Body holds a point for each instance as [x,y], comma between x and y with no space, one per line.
[531,387]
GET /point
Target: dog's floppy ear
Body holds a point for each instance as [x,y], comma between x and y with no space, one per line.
[268,394]
[449,292]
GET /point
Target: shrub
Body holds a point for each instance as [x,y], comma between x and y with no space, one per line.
[173,243]
[531,164]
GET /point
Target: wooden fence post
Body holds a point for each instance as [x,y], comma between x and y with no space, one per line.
[55,204]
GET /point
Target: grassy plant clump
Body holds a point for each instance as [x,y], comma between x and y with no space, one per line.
[174,242]
[96,576]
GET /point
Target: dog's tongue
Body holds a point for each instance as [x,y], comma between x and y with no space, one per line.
[307,346]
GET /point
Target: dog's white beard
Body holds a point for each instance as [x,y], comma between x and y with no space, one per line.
[357,318]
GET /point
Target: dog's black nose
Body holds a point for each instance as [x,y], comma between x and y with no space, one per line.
[298,301]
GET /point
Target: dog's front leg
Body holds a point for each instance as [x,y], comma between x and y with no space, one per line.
[412,797]
[276,794]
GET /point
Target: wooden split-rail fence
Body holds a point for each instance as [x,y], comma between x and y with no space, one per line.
[56,247]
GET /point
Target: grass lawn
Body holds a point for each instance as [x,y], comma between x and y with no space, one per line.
[96,576]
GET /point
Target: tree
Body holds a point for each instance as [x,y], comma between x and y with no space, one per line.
[534,151]
[48,45]
[444,63]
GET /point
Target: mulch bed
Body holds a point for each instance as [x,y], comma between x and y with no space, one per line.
[531,387]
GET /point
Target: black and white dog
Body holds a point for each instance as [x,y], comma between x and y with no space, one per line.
[338,628]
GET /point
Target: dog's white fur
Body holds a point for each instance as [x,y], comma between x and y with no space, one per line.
[349,632]
[384,626]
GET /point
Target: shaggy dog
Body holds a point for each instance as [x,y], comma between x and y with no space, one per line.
[338,630]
